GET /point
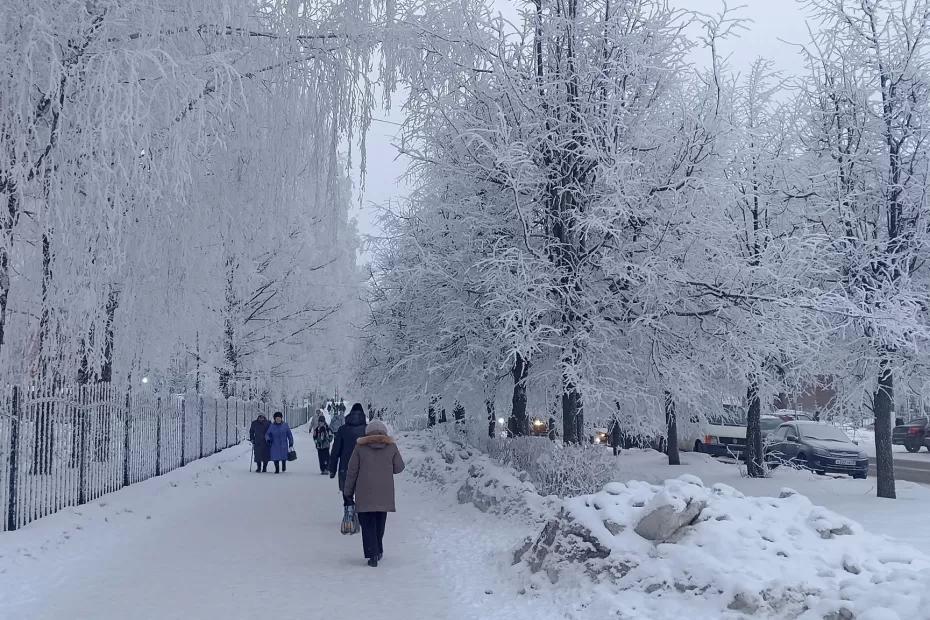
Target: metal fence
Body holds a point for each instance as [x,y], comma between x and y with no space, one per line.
[67,445]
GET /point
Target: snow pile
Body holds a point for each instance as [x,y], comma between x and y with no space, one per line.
[729,555]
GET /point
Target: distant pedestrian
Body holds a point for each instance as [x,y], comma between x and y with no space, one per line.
[281,441]
[261,452]
[614,435]
[344,444]
[370,478]
[323,439]
[337,419]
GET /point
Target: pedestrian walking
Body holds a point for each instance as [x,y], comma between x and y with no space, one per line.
[322,438]
[280,441]
[344,444]
[261,452]
[370,478]
[336,420]
[614,435]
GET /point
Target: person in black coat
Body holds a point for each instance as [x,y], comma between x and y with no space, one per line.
[614,434]
[344,445]
[261,451]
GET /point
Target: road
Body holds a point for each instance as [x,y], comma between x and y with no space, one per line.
[911,469]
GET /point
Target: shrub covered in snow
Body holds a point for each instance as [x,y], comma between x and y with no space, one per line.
[475,478]
[730,555]
[553,468]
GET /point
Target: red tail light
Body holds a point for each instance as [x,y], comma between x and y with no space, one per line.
[915,431]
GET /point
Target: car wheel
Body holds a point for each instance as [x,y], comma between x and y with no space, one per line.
[911,445]
[698,446]
[800,461]
[860,476]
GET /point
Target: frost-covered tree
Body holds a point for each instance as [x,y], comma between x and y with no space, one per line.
[148,152]
[866,137]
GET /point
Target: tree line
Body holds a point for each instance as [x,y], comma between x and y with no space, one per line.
[175,189]
[603,223]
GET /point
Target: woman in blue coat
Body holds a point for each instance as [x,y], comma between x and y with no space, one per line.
[280,440]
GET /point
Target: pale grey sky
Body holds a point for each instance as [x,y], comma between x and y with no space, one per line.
[774,25]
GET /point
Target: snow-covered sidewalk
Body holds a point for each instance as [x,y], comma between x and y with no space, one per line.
[212,540]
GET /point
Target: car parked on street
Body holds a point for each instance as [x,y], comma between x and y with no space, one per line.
[818,447]
[724,433]
[912,435]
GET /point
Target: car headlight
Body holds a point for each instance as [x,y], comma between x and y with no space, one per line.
[820,452]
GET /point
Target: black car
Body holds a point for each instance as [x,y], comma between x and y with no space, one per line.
[912,435]
[819,447]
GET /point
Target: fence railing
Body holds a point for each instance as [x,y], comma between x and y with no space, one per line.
[67,445]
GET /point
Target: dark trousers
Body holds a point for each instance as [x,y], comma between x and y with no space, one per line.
[372,532]
[281,464]
[261,465]
[323,453]
[346,501]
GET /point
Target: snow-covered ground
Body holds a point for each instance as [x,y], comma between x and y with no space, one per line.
[212,540]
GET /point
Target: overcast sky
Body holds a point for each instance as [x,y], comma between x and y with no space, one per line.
[774,25]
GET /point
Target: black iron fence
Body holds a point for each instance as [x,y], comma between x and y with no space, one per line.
[63,446]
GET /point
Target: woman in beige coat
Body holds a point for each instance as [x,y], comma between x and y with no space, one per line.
[372,467]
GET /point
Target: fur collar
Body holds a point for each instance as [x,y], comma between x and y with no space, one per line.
[375,439]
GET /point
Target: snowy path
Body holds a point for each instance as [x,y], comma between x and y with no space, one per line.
[215,541]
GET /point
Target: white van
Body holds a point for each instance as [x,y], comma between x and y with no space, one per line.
[723,434]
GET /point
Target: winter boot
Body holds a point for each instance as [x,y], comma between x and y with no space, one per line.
[373,562]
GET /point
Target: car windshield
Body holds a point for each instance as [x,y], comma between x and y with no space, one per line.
[822,432]
[769,424]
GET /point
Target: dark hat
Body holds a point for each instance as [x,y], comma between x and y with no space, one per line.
[357,408]
[278,414]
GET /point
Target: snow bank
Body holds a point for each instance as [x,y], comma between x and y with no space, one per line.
[775,557]
[677,548]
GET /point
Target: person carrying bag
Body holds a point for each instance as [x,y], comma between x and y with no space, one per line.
[370,477]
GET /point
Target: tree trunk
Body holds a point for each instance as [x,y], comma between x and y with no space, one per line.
[520,372]
[572,415]
[882,405]
[230,370]
[489,405]
[106,369]
[431,411]
[41,366]
[197,375]
[8,219]
[755,457]
[671,422]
